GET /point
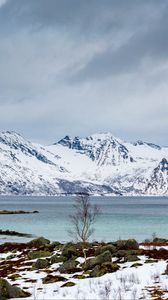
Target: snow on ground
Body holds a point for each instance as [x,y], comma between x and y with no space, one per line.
[128,283]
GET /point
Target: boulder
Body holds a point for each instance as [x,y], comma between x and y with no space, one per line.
[136,265]
[104,268]
[98,260]
[38,254]
[68,284]
[57,259]
[109,247]
[52,279]
[131,244]
[121,253]
[131,258]
[124,253]
[40,241]
[69,266]
[8,291]
[40,264]
[55,246]
[69,250]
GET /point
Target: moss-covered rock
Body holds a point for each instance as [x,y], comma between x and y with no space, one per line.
[124,253]
[105,268]
[68,284]
[102,249]
[98,260]
[121,253]
[69,250]
[55,246]
[69,266]
[136,265]
[57,259]
[8,291]
[38,254]
[79,276]
[130,244]
[40,241]
[51,279]
[130,258]
[40,264]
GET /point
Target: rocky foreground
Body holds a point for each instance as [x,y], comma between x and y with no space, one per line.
[124,269]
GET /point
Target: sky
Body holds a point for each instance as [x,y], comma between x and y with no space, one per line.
[77,67]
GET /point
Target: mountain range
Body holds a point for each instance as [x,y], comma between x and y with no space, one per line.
[100,164]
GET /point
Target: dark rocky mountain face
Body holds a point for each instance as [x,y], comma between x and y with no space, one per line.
[158,182]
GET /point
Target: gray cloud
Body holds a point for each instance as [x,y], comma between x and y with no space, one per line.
[83,66]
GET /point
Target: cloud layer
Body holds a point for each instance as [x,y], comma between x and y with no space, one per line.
[78,67]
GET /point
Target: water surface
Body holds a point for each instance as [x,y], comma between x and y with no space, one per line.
[121,217]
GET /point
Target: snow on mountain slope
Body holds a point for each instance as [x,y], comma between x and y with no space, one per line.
[104,149]
[24,168]
[98,164]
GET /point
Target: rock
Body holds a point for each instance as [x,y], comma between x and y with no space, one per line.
[8,291]
[136,265]
[131,244]
[166,271]
[14,276]
[69,266]
[131,258]
[78,276]
[40,241]
[159,241]
[124,253]
[52,279]
[109,247]
[55,246]
[68,284]
[150,261]
[104,268]
[98,260]
[69,250]
[40,264]
[57,259]
[120,244]
[38,254]
[121,253]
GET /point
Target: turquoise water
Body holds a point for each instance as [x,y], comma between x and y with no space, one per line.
[121,217]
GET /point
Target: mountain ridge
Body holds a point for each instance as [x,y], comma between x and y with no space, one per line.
[98,164]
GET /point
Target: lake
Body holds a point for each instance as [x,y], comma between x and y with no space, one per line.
[121,217]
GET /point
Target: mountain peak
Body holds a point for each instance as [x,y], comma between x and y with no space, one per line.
[141,143]
[12,138]
[103,148]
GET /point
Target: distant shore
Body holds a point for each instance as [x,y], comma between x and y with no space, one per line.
[17,212]
[15,233]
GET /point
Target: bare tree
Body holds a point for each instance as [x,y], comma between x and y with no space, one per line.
[83,218]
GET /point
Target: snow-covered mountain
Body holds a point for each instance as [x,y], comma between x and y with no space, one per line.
[99,164]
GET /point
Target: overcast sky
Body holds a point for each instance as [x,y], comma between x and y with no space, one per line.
[83,66]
